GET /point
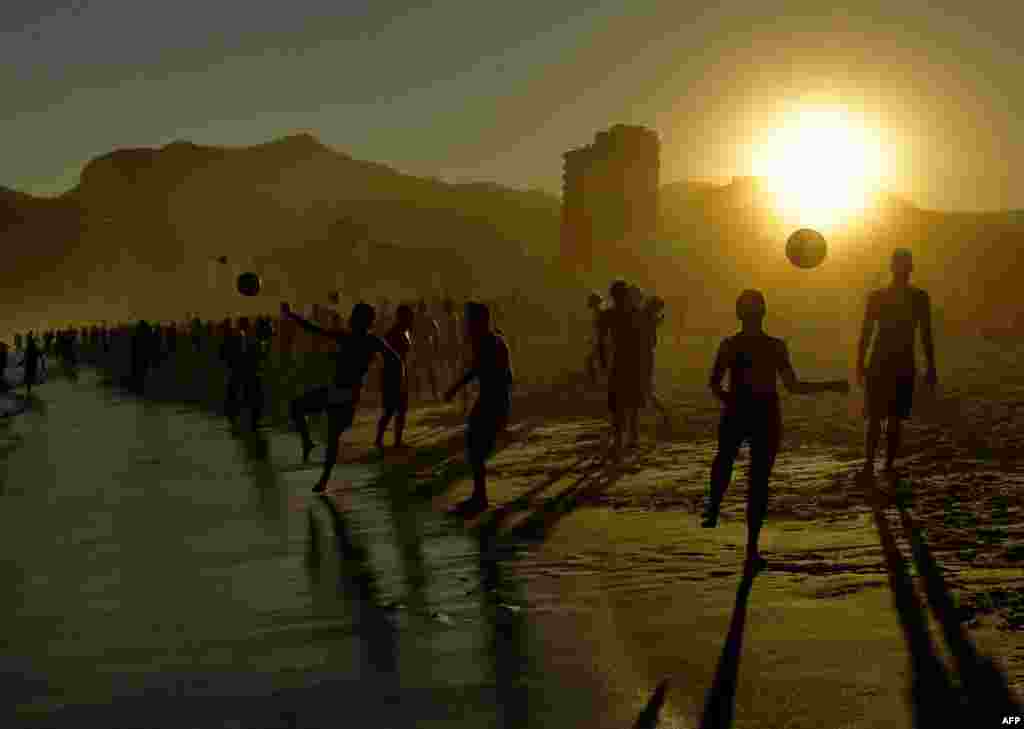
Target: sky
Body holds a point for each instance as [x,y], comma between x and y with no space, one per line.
[478,90]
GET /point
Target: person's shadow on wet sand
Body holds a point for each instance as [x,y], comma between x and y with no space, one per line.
[721,699]
[983,693]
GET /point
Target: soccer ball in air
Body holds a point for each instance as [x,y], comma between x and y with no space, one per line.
[806,248]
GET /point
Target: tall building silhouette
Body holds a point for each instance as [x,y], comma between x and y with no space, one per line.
[609,193]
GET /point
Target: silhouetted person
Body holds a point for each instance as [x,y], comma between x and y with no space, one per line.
[142,357]
[594,304]
[356,347]
[425,337]
[18,344]
[652,315]
[243,353]
[31,362]
[196,330]
[492,367]
[5,361]
[395,385]
[754,362]
[626,379]
[451,341]
[898,311]
[48,342]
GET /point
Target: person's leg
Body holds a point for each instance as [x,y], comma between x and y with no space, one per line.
[633,416]
[231,397]
[256,400]
[338,420]
[764,446]
[403,408]
[730,436]
[382,424]
[312,401]
[872,435]
[618,418]
[875,404]
[893,437]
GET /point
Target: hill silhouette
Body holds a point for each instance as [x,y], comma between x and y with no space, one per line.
[139,234]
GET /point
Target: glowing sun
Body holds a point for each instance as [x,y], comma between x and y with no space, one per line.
[821,168]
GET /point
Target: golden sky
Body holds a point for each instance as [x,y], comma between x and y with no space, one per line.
[478,90]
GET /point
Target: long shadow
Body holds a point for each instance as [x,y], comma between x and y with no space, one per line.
[493,519]
[588,487]
[934,700]
[720,705]
[984,685]
[262,474]
[648,718]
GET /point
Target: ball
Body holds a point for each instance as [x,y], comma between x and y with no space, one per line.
[248,284]
[806,248]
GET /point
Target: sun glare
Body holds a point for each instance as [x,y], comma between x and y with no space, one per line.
[821,168]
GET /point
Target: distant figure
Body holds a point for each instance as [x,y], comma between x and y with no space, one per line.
[425,338]
[395,385]
[652,315]
[18,348]
[356,348]
[4,363]
[172,339]
[31,362]
[243,353]
[754,361]
[451,341]
[492,367]
[48,342]
[196,330]
[627,386]
[142,357]
[899,311]
[594,304]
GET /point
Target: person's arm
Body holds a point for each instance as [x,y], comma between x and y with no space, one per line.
[718,373]
[926,337]
[796,386]
[391,358]
[867,330]
[470,375]
[305,323]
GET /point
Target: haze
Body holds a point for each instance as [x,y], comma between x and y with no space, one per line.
[497,91]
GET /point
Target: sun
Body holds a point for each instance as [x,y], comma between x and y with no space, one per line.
[821,168]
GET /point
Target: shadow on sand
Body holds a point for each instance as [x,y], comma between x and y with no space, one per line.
[981,696]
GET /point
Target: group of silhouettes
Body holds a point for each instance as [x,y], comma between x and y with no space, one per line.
[419,348]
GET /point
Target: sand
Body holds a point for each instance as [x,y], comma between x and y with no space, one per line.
[623,582]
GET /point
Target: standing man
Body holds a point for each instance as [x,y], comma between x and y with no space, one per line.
[425,337]
[898,311]
[395,385]
[244,354]
[492,367]
[594,304]
[627,386]
[754,361]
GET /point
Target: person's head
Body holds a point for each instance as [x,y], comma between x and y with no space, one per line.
[449,306]
[655,305]
[478,318]
[421,307]
[404,316]
[362,317]
[751,307]
[594,300]
[619,293]
[243,324]
[902,263]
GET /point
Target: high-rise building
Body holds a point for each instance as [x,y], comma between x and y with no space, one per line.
[609,193]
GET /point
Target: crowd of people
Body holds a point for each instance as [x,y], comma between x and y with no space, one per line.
[434,351]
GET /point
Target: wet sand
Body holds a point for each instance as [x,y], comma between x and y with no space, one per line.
[624,582]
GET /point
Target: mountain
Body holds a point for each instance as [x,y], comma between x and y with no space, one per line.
[140,233]
[143,225]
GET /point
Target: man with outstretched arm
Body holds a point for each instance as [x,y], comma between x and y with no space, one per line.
[357,346]
[751,413]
